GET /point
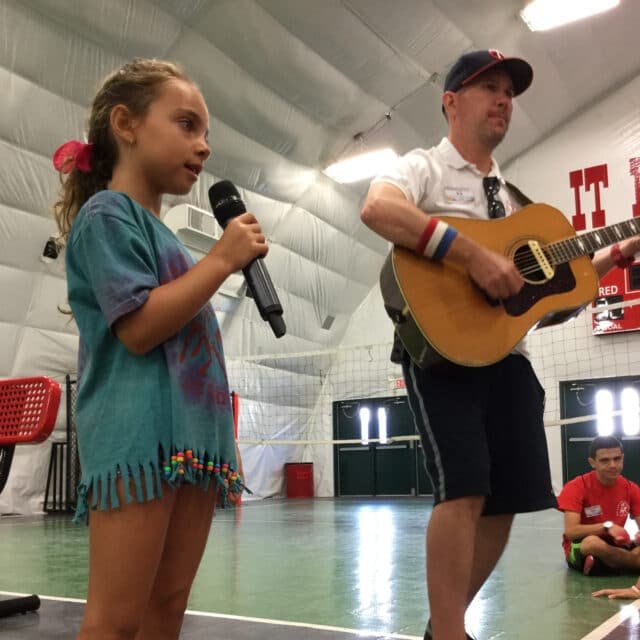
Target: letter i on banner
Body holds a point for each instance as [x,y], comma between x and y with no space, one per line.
[634,170]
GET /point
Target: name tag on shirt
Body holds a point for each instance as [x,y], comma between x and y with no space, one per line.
[592,512]
[458,195]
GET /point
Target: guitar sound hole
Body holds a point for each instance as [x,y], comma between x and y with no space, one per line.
[563,281]
[528,265]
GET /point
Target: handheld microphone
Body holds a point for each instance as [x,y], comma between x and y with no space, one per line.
[227,204]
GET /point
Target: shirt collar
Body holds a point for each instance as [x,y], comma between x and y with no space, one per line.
[453,158]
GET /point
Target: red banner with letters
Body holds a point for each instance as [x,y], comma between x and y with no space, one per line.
[619,285]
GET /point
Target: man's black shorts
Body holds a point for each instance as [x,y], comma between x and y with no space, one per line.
[482,433]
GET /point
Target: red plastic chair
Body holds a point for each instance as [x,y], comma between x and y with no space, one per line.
[28,411]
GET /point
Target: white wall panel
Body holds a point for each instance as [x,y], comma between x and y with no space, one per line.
[43,352]
[15,292]
[9,342]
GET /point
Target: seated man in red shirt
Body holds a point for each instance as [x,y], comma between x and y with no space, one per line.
[596,506]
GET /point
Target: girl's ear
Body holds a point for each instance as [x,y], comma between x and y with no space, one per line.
[123,124]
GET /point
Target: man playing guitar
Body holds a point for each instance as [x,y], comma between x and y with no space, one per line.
[481,427]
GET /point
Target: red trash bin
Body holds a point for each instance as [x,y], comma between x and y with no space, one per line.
[299,479]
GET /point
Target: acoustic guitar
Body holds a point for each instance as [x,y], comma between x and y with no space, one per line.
[440,313]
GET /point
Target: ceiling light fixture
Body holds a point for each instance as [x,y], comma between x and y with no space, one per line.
[541,15]
[364,165]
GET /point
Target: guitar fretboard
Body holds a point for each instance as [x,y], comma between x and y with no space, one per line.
[566,250]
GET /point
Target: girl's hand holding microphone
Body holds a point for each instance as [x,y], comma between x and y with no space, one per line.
[241,242]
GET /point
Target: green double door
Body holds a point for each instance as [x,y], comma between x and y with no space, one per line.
[580,398]
[366,468]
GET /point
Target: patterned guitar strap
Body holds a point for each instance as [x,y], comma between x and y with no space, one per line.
[520,199]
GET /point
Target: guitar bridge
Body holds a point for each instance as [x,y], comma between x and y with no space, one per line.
[541,259]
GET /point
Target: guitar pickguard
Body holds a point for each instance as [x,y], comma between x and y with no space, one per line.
[537,287]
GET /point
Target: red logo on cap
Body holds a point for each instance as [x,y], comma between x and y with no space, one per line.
[498,55]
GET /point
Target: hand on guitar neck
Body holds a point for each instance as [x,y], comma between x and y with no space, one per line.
[605,260]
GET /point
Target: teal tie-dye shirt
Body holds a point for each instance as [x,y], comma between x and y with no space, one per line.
[166,414]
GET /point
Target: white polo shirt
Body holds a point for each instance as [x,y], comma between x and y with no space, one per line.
[439,181]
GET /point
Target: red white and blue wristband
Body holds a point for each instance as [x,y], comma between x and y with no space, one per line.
[435,239]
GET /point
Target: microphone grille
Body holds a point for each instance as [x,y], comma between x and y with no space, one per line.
[225,201]
[221,191]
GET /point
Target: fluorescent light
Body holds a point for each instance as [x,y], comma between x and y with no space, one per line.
[540,15]
[630,407]
[365,414]
[382,425]
[360,167]
[604,408]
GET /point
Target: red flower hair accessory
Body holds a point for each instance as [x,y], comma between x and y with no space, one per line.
[73,154]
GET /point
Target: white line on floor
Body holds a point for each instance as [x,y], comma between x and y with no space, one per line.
[285,623]
[627,611]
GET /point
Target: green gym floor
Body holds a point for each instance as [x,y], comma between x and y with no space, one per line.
[324,569]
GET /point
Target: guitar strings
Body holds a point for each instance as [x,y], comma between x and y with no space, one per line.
[559,252]
[528,265]
[554,253]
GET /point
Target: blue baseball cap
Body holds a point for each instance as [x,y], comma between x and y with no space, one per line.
[472,64]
